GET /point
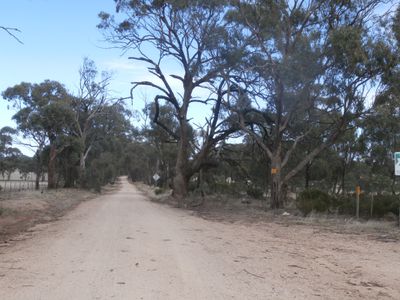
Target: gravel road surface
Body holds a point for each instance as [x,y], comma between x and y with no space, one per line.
[123,246]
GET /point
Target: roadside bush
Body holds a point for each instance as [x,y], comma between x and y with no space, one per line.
[223,187]
[158,191]
[255,192]
[314,200]
[346,205]
[384,204]
[92,179]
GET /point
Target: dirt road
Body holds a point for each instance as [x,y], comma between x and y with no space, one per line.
[122,246]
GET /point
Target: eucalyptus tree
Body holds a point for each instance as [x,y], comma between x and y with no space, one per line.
[164,148]
[7,152]
[43,115]
[90,102]
[309,66]
[25,165]
[6,139]
[381,127]
[106,160]
[181,42]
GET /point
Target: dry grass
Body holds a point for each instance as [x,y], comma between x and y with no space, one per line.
[222,208]
[21,210]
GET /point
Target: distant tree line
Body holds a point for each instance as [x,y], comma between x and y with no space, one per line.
[79,140]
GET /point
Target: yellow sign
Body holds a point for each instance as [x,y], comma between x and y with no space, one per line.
[358,190]
[274,170]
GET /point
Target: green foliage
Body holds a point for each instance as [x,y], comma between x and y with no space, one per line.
[314,200]
[222,187]
[319,201]
[9,156]
[102,170]
[254,192]
[383,204]
[158,191]
[346,204]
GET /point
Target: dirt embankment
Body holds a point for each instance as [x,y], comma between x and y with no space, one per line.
[222,208]
[21,210]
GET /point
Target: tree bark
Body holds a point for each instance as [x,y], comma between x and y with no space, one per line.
[82,169]
[307,176]
[181,178]
[82,163]
[51,169]
[180,188]
[344,170]
[276,182]
[39,164]
[38,174]
[393,185]
[37,180]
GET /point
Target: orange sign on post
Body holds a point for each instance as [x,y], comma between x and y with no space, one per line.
[274,171]
[358,190]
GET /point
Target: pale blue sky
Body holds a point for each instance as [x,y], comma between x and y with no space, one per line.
[57,35]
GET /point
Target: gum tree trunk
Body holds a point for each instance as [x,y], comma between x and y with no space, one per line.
[276,183]
[181,178]
[51,169]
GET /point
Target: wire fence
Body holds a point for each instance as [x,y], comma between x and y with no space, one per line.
[7,186]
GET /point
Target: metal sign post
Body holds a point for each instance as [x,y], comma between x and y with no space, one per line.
[397,173]
[156,177]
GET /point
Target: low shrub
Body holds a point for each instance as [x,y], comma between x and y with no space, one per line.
[314,200]
[254,192]
[158,191]
[384,204]
[346,205]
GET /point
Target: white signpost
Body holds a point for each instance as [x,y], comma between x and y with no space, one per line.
[156,177]
[397,163]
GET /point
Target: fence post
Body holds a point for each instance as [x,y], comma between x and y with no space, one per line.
[372,204]
[358,192]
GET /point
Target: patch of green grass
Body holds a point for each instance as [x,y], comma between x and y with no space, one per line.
[158,191]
